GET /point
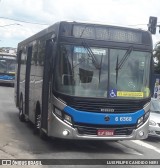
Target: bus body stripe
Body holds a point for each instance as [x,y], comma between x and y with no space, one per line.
[99,118]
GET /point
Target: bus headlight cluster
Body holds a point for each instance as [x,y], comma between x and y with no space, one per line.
[58,112]
[68,119]
[143,119]
[146,116]
[140,121]
[65,117]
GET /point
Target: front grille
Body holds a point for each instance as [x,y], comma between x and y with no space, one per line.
[86,130]
[95,105]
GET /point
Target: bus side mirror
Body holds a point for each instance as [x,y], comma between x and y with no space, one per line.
[53,38]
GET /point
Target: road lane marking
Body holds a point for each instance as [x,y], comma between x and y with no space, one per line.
[144,144]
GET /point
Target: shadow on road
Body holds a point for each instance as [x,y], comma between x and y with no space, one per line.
[6,85]
[153,139]
[23,133]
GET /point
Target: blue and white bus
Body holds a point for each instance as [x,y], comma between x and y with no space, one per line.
[85,81]
[7,68]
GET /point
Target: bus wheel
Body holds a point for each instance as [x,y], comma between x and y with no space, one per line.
[43,135]
[21,112]
[37,123]
[38,129]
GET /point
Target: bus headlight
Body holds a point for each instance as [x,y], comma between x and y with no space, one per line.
[68,119]
[146,116]
[143,119]
[140,121]
[65,132]
[141,133]
[58,112]
[62,115]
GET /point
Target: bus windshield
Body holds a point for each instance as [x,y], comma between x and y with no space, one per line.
[78,75]
[7,65]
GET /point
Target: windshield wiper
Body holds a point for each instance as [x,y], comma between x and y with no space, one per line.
[100,69]
[120,64]
[91,54]
[117,69]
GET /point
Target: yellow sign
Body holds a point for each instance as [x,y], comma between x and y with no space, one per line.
[129,94]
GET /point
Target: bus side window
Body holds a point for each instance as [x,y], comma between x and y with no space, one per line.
[41,53]
[34,55]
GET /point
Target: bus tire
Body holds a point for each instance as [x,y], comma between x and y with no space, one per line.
[21,110]
[43,135]
[36,125]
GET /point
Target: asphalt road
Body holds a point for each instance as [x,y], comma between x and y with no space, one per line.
[17,141]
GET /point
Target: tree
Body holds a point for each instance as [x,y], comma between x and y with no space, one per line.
[156,55]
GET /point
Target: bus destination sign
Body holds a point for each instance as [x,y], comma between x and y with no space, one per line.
[107,34]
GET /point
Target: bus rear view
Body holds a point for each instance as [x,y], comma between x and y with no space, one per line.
[95,82]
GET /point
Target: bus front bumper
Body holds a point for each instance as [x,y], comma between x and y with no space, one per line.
[60,129]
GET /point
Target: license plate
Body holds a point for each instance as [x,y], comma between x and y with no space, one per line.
[105,132]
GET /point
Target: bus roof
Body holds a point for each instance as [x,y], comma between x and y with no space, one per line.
[55,27]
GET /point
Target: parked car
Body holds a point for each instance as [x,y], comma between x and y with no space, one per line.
[154,120]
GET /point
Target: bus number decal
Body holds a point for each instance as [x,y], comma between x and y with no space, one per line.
[123,119]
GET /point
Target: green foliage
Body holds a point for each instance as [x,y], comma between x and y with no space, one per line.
[156,54]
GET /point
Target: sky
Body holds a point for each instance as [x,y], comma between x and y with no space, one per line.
[20,19]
